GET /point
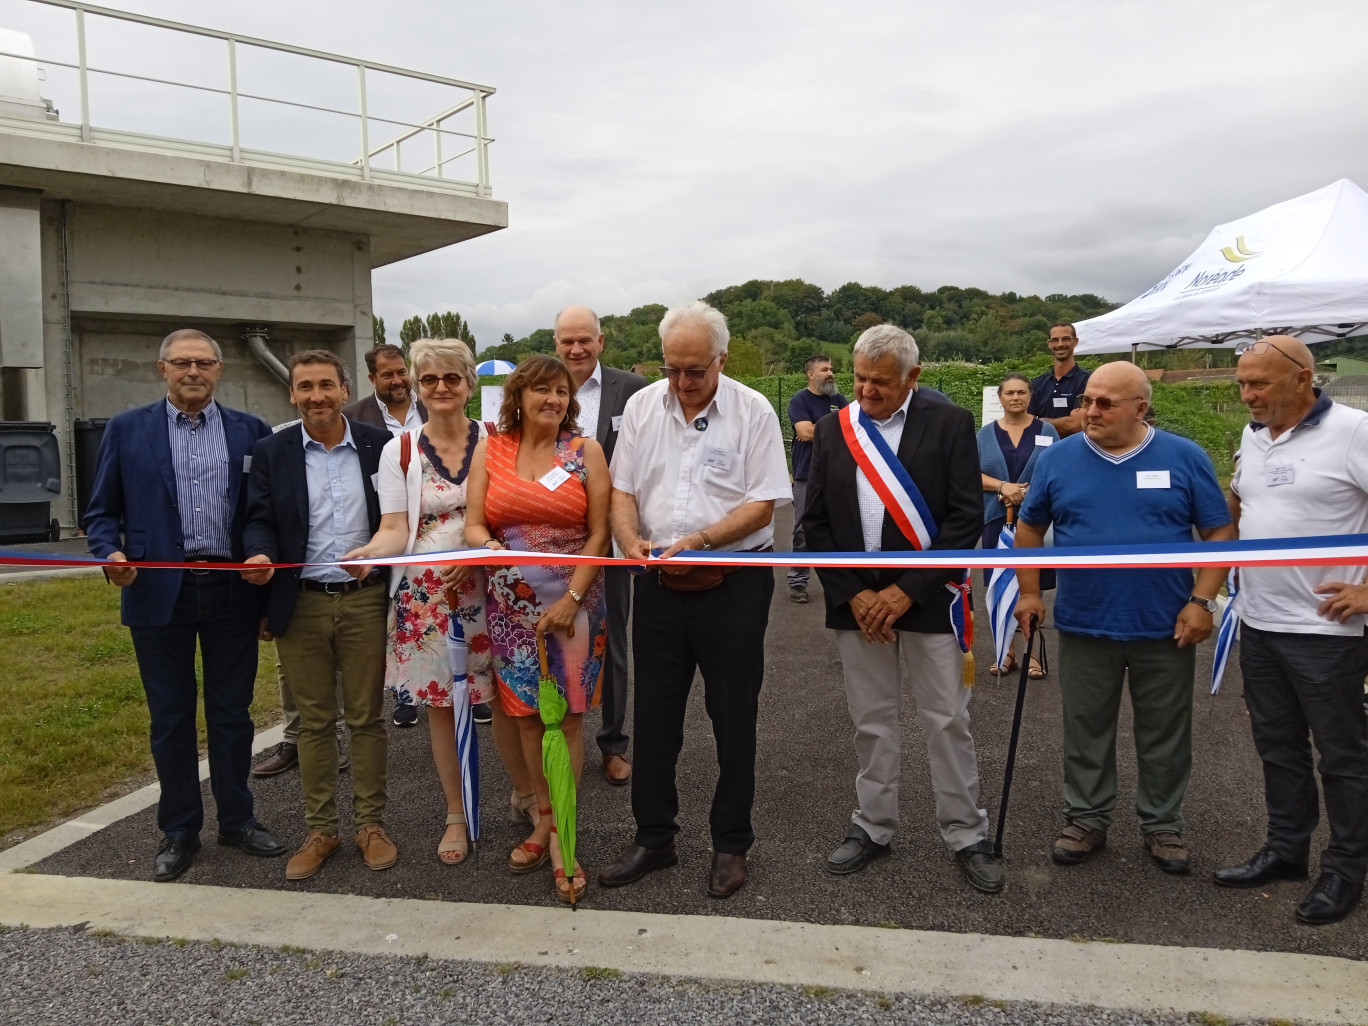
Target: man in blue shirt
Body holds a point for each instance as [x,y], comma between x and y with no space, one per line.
[1118,482]
[1055,394]
[311,498]
[806,408]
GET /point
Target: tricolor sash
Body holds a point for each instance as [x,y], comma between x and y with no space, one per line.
[889,478]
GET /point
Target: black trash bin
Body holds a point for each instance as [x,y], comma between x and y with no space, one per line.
[89,434]
[30,478]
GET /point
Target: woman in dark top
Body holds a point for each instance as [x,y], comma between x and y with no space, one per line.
[1008,448]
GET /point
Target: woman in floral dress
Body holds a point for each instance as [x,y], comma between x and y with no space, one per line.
[540,486]
[422,486]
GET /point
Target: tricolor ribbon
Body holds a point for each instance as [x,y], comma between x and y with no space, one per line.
[888,477]
[962,613]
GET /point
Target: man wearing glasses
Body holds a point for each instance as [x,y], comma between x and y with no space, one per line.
[1121,481]
[170,487]
[699,465]
[1303,471]
[1055,394]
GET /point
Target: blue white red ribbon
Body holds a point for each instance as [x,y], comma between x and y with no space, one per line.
[962,613]
[888,477]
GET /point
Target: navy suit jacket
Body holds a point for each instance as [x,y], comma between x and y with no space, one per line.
[278,507]
[133,505]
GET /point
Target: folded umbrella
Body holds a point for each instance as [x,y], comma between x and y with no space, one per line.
[467,747]
[1225,634]
[1002,596]
[560,778]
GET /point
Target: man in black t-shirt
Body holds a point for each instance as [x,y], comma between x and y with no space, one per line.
[1054,395]
[806,408]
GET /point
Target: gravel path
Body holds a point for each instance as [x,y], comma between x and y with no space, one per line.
[69,976]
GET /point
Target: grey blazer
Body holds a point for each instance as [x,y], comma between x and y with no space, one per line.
[618,387]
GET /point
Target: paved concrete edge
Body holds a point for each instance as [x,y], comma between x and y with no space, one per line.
[82,826]
[1242,984]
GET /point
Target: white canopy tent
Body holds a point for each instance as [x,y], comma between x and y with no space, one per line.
[1296,268]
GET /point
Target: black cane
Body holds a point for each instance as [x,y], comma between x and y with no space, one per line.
[1016,733]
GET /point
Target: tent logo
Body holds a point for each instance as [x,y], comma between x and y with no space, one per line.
[1240,252]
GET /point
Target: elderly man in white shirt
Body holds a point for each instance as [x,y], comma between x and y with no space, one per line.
[699,465]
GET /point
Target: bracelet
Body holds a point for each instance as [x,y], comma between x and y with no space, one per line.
[704,539]
[491,541]
[579,599]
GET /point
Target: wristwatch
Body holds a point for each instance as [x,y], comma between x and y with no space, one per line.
[1208,604]
[704,539]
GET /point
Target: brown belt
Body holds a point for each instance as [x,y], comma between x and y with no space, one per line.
[340,587]
[702,578]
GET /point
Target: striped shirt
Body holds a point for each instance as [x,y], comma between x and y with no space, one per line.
[199,461]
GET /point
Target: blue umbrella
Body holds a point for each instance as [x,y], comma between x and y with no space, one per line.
[467,748]
[1225,635]
[1002,596]
[492,368]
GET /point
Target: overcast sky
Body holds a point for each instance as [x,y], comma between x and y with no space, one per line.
[653,152]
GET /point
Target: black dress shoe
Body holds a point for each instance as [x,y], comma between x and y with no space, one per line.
[855,852]
[174,856]
[1330,900]
[254,840]
[982,868]
[1260,868]
[635,862]
[728,874]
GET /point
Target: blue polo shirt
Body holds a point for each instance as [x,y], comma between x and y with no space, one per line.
[1155,494]
[806,406]
[1053,397]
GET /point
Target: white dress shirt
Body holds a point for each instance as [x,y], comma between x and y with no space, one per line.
[411,419]
[590,396]
[872,507]
[686,479]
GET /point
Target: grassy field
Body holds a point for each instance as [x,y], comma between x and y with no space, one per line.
[74,722]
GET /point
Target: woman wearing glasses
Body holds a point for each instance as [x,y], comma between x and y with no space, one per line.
[541,486]
[1008,448]
[422,486]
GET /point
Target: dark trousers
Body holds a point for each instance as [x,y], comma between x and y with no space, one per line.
[1300,687]
[720,632]
[612,738]
[227,636]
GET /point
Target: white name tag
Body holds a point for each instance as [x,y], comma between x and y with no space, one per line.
[246,464]
[617,423]
[719,458]
[1151,479]
[1279,475]
[554,478]
[1061,402]
[1044,440]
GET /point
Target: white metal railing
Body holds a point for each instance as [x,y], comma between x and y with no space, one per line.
[434,170]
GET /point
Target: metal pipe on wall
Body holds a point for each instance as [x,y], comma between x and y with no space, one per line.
[256,340]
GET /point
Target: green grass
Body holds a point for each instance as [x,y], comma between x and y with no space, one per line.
[74,721]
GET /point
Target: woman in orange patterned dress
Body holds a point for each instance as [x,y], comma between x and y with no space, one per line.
[541,486]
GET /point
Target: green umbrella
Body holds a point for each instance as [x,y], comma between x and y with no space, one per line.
[560,778]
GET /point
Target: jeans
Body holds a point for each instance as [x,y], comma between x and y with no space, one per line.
[798,575]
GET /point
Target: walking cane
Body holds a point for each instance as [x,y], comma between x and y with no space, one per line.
[1016,733]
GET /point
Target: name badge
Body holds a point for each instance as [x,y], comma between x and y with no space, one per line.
[719,458]
[554,478]
[1151,479]
[1044,440]
[1282,475]
[1061,402]
[617,423]
[375,480]
[246,464]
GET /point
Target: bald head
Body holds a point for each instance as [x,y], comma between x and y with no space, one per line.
[579,340]
[1118,396]
[1275,376]
[1122,377]
[577,318]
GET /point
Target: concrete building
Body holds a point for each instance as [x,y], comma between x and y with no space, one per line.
[114,237]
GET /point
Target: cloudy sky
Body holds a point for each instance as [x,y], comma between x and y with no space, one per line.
[653,152]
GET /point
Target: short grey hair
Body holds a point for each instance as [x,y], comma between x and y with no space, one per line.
[555,325]
[701,312]
[888,340]
[188,333]
[443,352]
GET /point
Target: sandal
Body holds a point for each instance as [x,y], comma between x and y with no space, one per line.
[453,853]
[535,854]
[522,808]
[1036,671]
[1007,667]
[563,886]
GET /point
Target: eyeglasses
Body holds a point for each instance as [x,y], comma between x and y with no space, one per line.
[692,373]
[452,381]
[1259,345]
[185,365]
[1102,403]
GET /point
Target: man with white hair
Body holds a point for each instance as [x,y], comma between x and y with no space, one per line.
[1120,481]
[699,465]
[898,471]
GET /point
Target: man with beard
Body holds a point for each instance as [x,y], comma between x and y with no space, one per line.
[310,498]
[1055,394]
[394,405]
[805,409]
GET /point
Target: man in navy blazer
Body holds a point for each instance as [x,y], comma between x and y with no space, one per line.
[311,499]
[170,487]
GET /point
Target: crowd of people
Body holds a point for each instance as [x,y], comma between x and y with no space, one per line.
[588,460]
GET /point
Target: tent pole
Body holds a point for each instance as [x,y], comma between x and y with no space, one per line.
[1135,347]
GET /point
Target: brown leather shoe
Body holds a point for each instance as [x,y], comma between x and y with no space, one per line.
[376,847]
[616,769]
[285,757]
[1076,842]
[311,855]
[728,874]
[635,862]
[1168,851]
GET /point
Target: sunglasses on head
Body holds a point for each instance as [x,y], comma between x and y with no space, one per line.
[1258,346]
